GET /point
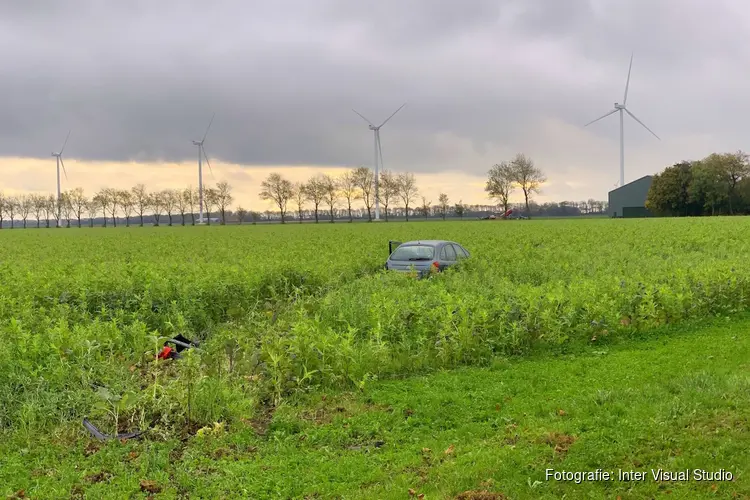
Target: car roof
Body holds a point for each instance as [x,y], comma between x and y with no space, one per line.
[430,243]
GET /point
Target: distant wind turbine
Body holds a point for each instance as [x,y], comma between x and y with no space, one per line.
[621,108]
[201,156]
[378,156]
[59,163]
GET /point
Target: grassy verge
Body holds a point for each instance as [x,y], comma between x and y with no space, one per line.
[677,401]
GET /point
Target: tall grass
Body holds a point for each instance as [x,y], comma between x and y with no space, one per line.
[286,308]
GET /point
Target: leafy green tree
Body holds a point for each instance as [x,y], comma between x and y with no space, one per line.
[709,187]
[670,192]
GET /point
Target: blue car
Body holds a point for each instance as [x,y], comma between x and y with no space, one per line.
[424,256]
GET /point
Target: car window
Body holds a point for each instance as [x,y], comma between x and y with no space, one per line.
[460,252]
[448,253]
[413,252]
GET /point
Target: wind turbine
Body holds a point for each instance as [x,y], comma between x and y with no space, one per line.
[60,162]
[201,155]
[621,108]
[378,155]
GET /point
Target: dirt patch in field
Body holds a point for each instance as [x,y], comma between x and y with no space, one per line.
[262,421]
[151,487]
[91,448]
[98,477]
[560,442]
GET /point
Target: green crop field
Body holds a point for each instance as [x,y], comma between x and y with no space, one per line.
[287,314]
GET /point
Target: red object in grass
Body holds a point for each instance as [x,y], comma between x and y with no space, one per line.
[165,352]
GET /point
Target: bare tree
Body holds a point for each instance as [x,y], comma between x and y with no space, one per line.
[348,187]
[66,206]
[156,203]
[241,214]
[210,200]
[92,207]
[278,190]
[460,209]
[364,179]
[528,176]
[425,208]
[330,193]
[182,204]
[407,190]
[11,208]
[443,205]
[25,204]
[51,209]
[500,181]
[169,198]
[224,199]
[38,202]
[127,201]
[316,192]
[190,195]
[103,202]
[141,199]
[3,202]
[77,202]
[388,190]
[299,192]
[113,196]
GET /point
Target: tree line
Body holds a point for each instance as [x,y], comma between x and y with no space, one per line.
[321,196]
[131,204]
[324,192]
[719,184]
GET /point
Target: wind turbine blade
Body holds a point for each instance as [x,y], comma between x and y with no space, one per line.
[207,162]
[394,113]
[627,83]
[65,143]
[63,166]
[642,124]
[209,127]
[603,116]
[365,119]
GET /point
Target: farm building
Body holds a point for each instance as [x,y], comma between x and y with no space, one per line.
[630,200]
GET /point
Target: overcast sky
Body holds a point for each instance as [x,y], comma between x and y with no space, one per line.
[136,81]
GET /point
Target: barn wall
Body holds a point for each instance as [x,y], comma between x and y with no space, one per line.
[631,196]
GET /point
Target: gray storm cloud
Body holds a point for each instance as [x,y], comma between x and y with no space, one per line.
[139,80]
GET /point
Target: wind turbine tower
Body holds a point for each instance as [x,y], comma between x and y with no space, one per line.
[378,155]
[58,156]
[201,156]
[621,108]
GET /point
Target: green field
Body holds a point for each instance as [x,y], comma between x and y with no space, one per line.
[556,317]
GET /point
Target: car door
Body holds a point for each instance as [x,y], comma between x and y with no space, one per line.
[447,256]
[461,252]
